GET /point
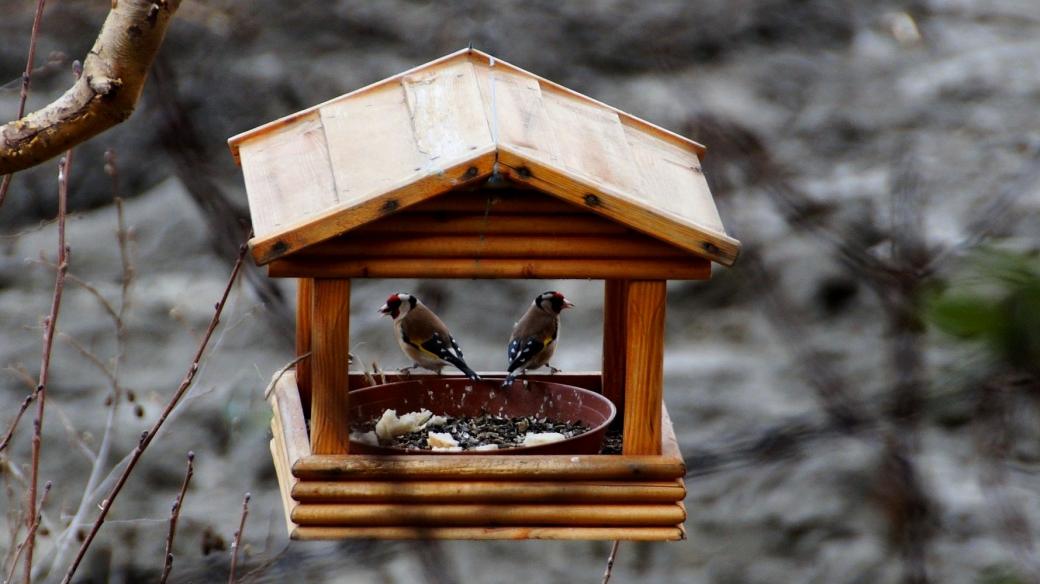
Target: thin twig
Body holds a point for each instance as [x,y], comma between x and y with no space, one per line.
[147,437]
[14,423]
[610,561]
[45,361]
[34,524]
[237,541]
[26,78]
[281,372]
[175,513]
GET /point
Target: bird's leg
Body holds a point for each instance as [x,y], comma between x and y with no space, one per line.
[553,370]
[407,371]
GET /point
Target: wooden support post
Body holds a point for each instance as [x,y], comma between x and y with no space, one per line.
[615,301]
[644,366]
[304,303]
[330,337]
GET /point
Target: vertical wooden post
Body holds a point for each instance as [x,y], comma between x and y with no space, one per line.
[330,340]
[615,305]
[644,372]
[304,303]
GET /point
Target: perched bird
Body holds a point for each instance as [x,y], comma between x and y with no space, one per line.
[534,337]
[422,336]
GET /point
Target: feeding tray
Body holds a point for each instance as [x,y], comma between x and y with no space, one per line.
[456,397]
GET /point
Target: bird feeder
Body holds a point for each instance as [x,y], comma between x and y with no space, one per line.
[469,167]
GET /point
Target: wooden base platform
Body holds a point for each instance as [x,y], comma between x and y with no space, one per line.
[603,497]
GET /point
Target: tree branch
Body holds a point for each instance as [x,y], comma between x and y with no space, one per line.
[114,74]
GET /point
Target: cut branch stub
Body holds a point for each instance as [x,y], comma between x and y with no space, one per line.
[114,74]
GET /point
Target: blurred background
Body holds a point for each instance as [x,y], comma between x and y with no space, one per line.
[857,398]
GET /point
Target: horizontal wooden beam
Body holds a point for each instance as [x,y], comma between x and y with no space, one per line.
[476,467]
[616,246]
[544,225]
[304,266]
[441,515]
[514,199]
[489,533]
[488,492]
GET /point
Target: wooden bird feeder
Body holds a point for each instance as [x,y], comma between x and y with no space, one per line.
[468,167]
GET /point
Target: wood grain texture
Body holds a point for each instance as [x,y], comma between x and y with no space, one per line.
[473,492]
[304,304]
[644,362]
[289,414]
[447,114]
[302,265]
[285,482]
[506,200]
[615,345]
[399,195]
[494,223]
[479,246]
[490,533]
[596,467]
[330,349]
[490,515]
[604,200]
[287,176]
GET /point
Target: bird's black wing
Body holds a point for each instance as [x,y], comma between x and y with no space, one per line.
[521,350]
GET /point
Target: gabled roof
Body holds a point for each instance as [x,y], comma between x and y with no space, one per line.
[455,121]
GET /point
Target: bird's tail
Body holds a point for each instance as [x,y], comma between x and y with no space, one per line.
[461,365]
[509,378]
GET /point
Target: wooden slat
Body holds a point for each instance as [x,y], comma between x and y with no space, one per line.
[330,424]
[604,200]
[615,304]
[474,467]
[304,304]
[591,142]
[442,515]
[495,246]
[287,175]
[301,265]
[490,533]
[514,108]
[289,414]
[644,366]
[508,200]
[487,492]
[672,178]
[447,114]
[531,224]
[285,479]
[345,216]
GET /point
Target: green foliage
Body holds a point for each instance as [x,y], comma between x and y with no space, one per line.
[993,300]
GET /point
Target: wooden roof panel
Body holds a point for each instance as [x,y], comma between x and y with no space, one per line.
[335,167]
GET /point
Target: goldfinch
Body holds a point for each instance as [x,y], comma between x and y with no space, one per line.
[422,336]
[534,337]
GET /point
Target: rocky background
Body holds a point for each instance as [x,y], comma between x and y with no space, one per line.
[833,434]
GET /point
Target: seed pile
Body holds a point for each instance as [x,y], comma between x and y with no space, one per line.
[473,431]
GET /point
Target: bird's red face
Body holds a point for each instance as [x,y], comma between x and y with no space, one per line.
[392,308]
[398,304]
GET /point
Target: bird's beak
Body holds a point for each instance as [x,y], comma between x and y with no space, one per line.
[384,309]
[567,303]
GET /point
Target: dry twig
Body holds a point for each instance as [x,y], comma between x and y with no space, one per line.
[610,561]
[39,511]
[5,183]
[237,541]
[45,360]
[147,437]
[175,513]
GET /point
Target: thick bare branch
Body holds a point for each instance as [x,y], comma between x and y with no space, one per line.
[114,74]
